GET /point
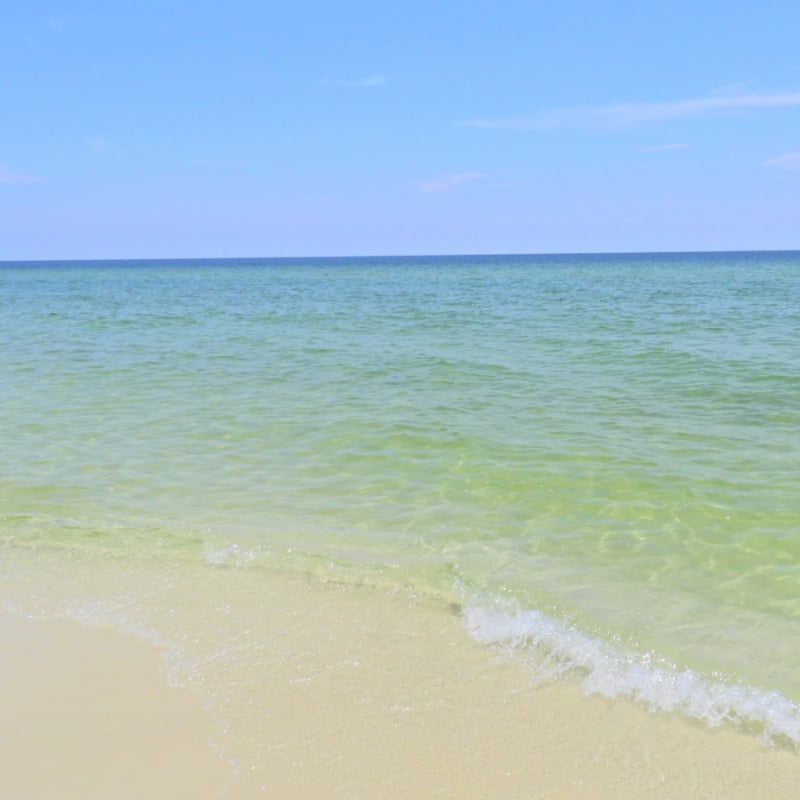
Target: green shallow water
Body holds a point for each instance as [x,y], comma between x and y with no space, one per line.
[612,440]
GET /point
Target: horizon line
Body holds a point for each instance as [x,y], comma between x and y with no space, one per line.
[361,257]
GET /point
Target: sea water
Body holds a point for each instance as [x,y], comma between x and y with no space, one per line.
[596,459]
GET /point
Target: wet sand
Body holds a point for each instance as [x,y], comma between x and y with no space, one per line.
[337,692]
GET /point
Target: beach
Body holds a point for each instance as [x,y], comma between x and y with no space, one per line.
[399,401]
[350,696]
[468,527]
[87,713]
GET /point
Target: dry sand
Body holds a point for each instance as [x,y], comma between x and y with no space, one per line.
[87,713]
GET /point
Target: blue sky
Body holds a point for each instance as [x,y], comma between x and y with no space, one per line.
[177,129]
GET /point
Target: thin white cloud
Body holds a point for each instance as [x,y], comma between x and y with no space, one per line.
[622,114]
[218,162]
[788,161]
[97,142]
[13,177]
[368,82]
[657,148]
[445,182]
[737,89]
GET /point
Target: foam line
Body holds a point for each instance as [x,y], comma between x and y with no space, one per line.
[562,650]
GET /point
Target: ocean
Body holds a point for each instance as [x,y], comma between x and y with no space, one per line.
[593,460]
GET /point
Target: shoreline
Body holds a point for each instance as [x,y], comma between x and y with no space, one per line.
[336,691]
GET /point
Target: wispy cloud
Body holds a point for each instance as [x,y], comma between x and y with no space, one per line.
[218,162]
[13,177]
[657,148]
[736,89]
[445,182]
[368,82]
[788,161]
[47,28]
[622,114]
[56,24]
[97,142]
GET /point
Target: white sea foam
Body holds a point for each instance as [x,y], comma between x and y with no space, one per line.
[231,554]
[560,649]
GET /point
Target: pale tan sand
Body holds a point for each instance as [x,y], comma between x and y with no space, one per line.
[87,714]
[378,697]
[330,691]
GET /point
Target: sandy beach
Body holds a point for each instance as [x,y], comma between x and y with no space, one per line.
[87,713]
[345,699]
[399,401]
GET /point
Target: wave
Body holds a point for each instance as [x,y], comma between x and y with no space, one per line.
[557,649]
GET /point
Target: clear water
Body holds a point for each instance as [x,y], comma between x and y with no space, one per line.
[599,456]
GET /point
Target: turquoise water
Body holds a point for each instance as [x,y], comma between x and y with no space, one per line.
[598,457]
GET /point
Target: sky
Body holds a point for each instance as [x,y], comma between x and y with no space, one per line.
[258,128]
